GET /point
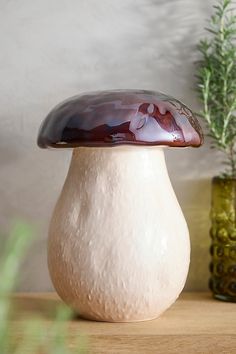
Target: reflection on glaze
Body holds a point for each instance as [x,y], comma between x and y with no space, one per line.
[109,118]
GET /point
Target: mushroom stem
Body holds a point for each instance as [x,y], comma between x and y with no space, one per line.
[118,245]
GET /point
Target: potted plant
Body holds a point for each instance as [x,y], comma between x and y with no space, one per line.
[216,85]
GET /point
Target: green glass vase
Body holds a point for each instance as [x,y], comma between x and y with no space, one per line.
[223,234]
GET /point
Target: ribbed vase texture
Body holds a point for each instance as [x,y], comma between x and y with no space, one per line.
[223,234]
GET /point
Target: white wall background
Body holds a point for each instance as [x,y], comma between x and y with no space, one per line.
[53,49]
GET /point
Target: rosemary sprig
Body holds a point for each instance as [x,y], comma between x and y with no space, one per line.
[216,82]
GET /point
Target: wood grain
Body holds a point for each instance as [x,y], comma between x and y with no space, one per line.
[196,323]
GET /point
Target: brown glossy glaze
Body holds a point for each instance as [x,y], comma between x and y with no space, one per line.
[107,118]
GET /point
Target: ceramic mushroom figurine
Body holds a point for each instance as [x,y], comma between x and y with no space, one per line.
[118,246]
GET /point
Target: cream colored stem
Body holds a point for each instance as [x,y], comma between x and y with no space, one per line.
[118,243]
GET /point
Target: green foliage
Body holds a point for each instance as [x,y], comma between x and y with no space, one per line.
[9,265]
[216,82]
[37,337]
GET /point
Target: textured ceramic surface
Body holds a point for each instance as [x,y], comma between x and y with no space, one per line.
[120,117]
[118,245]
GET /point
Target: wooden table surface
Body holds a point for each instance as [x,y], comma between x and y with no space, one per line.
[194,324]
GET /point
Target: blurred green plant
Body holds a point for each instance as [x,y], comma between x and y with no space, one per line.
[36,337]
[216,82]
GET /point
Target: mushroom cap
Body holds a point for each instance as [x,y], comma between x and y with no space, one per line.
[108,118]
